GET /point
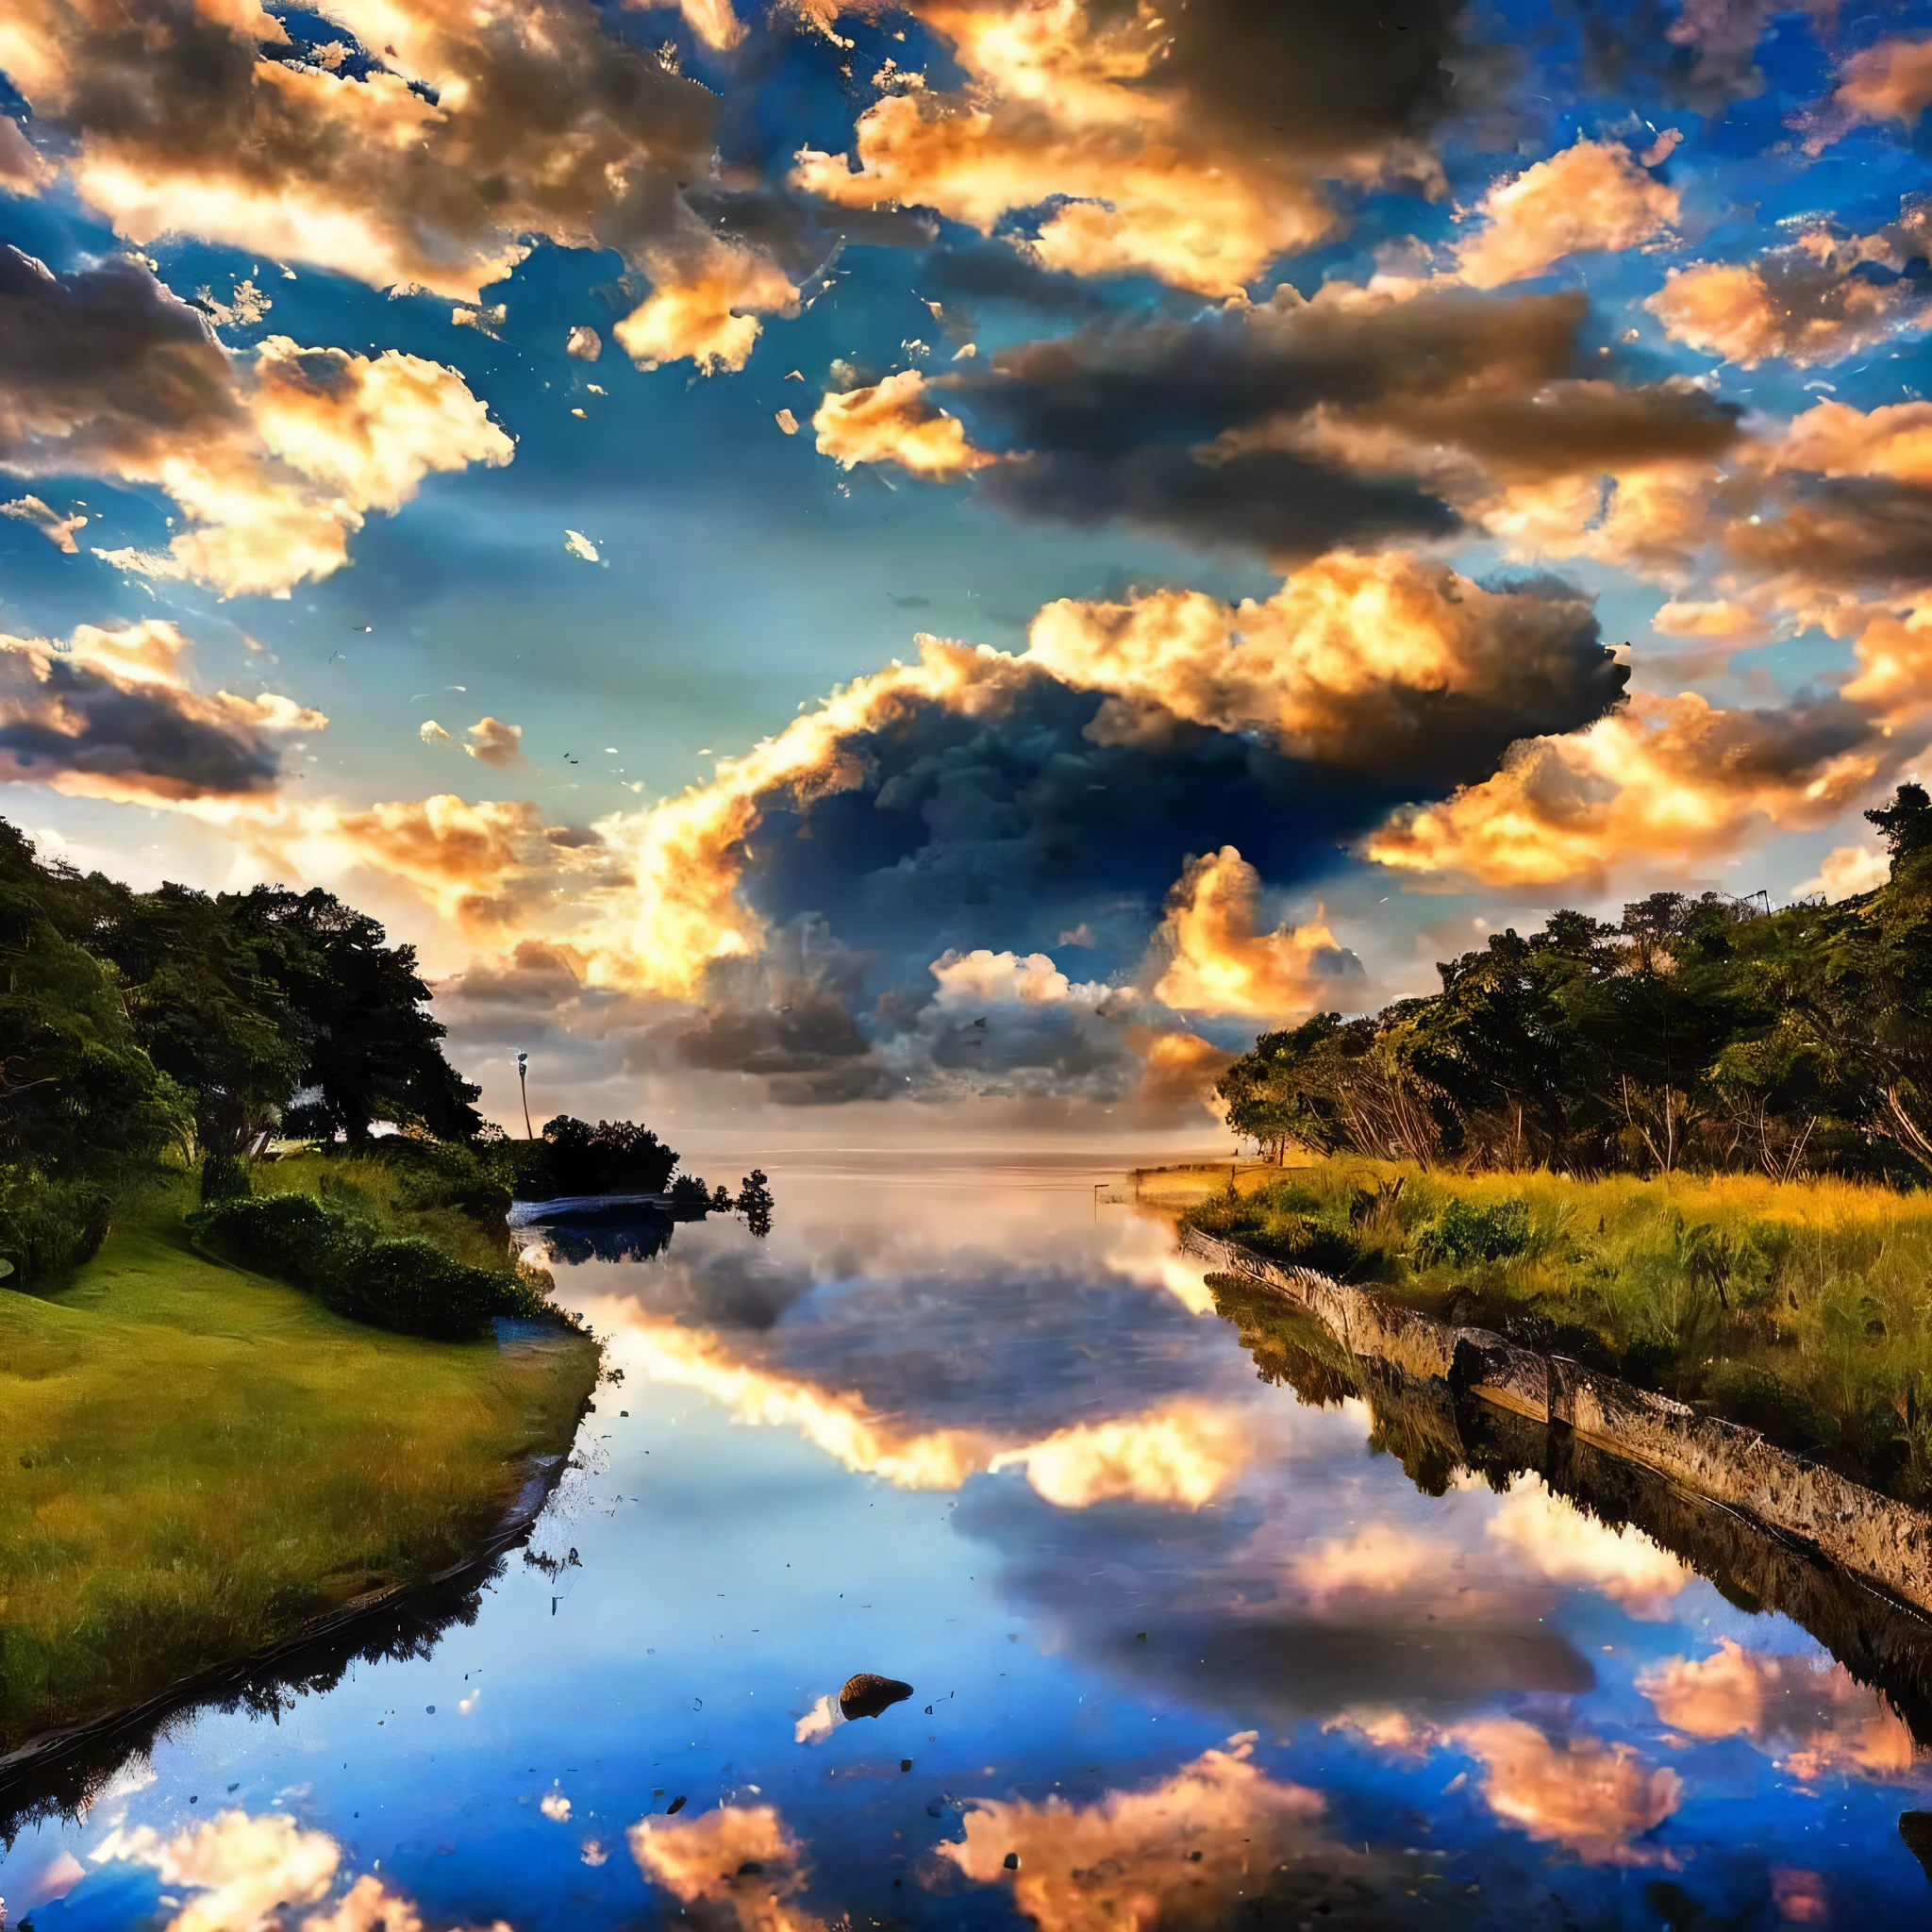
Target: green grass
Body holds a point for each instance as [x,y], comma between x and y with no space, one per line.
[1804,1309]
[196,1461]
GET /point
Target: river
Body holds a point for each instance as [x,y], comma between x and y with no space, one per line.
[1183,1647]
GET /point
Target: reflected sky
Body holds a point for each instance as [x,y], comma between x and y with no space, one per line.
[1183,1646]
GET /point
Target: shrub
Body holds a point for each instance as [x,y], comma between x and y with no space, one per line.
[1288,1235]
[690,1193]
[411,1286]
[48,1227]
[612,1157]
[407,1284]
[1460,1233]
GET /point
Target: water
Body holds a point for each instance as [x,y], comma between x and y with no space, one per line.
[1192,1651]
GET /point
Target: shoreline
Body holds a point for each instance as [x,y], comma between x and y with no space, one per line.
[1882,1542]
[50,1752]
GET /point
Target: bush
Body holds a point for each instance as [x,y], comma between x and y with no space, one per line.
[612,1157]
[690,1193]
[1460,1233]
[48,1229]
[407,1284]
[411,1286]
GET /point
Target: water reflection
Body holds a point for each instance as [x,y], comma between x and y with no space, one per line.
[1203,1626]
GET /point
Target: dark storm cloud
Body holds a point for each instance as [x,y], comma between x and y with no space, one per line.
[1271,427]
[105,367]
[1842,530]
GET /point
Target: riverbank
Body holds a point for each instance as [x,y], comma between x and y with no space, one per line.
[1798,1309]
[200,1461]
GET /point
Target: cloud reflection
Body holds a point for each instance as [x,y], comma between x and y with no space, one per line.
[738,1865]
[1806,1712]
[1184,1852]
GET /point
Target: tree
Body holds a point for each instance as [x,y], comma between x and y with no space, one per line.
[373,1052]
[754,1202]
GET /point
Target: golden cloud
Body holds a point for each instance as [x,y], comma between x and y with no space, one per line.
[1808,1712]
[1805,303]
[893,422]
[493,743]
[57,529]
[1057,107]
[1889,81]
[1220,964]
[1555,1539]
[743,1859]
[705,306]
[242,1867]
[479,129]
[1182,1852]
[111,714]
[1336,666]
[1186,1455]
[1591,196]
[1590,1797]
[1665,780]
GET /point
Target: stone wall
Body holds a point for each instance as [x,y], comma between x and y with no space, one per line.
[1874,1537]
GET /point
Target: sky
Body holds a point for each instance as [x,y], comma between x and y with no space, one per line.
[878,572]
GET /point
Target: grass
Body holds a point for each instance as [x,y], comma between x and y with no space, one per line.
[197,1462]
[1802,1309]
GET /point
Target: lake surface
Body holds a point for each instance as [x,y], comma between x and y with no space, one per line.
[1185,1649]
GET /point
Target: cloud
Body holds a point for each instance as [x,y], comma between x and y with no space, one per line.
[493,743]
[1152,142]
[893,422]
[1590,197]
[1805,1711]
[1186,1456]
[458,136]
[1847,871]
[57,529]
[1370,663]
[981,979]
[1179,1852]
[1816,300]
[705,307]
[1557,1540]
[242,1867]
[1663,781]
[1590,1797]
[430,732]
[275,457]
[1377,1559]
[1293,426]
[1219,963]
[111,714]
[1889,81]
[742,1861]
[368,1906]
[584,343]
[555,1805]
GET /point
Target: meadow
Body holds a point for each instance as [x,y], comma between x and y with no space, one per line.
[199,1461]
[1800,1309]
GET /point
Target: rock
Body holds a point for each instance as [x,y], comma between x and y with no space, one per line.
[866,1695]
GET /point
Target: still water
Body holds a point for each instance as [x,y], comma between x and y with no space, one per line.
[1184,1648]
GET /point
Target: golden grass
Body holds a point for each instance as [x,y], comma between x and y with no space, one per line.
[195,1461]
[1804,1309]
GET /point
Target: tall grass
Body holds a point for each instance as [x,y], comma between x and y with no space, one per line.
[1802,1308]
[195,1461]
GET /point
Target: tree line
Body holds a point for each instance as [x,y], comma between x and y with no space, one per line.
[191,1029]
[1702,1033]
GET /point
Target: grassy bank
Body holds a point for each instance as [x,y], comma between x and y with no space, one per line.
[198,1460]
[1802,1309]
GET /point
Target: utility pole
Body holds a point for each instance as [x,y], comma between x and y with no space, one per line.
[522,1073]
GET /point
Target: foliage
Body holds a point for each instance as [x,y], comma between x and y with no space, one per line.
[1700,1034]
[690,1195]
[754,1202]
[612,1157]
[200,1461]
[1459,1232]
[407,1283]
